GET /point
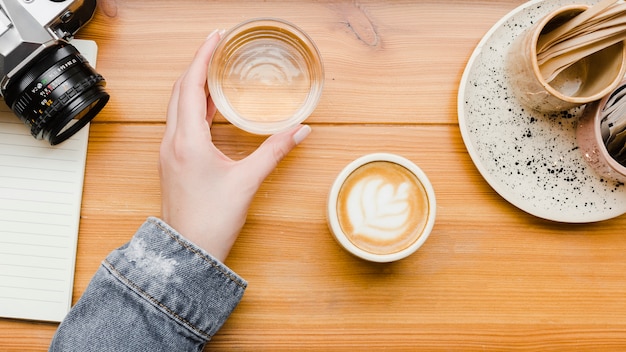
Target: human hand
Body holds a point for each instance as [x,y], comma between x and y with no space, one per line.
[205,194]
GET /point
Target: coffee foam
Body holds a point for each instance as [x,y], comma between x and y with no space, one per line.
[382,207]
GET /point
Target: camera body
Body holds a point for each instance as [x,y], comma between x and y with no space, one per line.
[47,83]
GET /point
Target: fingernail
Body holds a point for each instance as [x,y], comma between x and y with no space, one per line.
[212,34]
[302,133]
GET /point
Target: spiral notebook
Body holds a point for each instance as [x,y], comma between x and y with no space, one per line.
[40,198]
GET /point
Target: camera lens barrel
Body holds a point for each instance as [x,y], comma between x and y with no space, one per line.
[58,94]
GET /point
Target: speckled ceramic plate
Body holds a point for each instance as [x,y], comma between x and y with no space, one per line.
[532,160]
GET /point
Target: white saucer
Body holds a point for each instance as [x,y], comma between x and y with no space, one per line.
[532,160]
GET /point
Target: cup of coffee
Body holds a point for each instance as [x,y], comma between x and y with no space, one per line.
[586,80]
[381,207]
[266,76]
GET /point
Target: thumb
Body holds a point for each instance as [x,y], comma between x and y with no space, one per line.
[265,159]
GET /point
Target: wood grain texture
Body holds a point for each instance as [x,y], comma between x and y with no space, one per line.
[489,278]
[389,62]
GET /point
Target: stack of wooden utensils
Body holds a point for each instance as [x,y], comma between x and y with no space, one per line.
[591,31]
[594,29]
[613,124]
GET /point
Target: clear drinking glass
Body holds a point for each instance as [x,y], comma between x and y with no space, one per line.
[266,76]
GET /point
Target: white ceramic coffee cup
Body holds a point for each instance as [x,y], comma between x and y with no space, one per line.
[381,207]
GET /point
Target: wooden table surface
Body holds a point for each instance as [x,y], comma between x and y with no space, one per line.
[490,277]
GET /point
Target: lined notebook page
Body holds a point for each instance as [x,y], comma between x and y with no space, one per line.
[40,198]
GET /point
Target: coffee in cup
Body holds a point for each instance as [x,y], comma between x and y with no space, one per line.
[381,207]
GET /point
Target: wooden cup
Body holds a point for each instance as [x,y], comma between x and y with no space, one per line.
[586,81]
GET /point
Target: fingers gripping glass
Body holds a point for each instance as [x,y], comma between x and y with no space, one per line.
[266,76]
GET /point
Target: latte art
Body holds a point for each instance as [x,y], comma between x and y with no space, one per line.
[382,207]
[379,210]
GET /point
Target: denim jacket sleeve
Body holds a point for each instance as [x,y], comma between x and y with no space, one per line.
[158,292]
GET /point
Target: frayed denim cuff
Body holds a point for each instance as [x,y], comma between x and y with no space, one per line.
[177,277]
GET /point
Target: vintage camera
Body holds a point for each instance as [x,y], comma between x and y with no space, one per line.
[47,83]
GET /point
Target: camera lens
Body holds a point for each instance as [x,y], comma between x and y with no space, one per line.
[58,94]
